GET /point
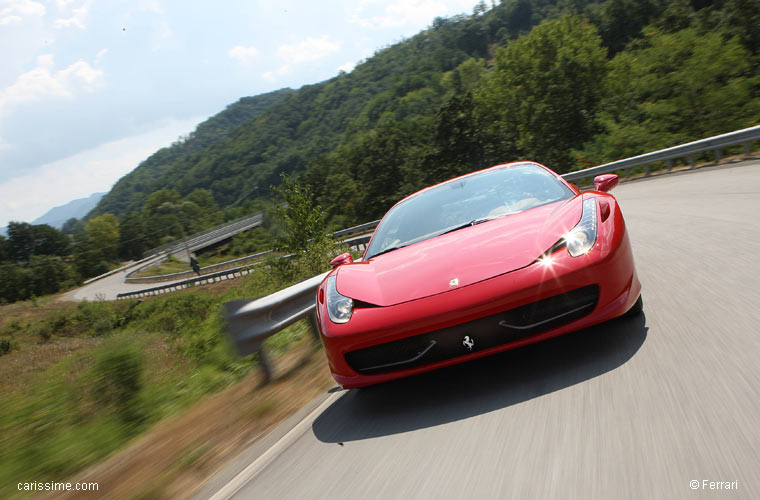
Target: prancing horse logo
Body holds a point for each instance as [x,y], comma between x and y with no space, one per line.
[468,342]
[454,282]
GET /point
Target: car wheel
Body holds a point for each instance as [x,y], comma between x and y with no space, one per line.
[636,309]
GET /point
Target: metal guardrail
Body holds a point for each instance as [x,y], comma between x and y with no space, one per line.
[251,321]
[189,283]
[209,236]
[230,264]
[743,137]
[115,271]
[357,229]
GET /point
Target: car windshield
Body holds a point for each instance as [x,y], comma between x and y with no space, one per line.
[464,202]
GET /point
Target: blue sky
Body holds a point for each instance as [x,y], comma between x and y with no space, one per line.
[88,89]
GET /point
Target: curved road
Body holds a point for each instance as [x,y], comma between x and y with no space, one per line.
[636,408]
[109,287]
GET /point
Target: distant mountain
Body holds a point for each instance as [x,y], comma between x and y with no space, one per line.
[57,216]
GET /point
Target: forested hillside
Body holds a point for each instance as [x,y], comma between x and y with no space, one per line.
[566,82]
[131,191]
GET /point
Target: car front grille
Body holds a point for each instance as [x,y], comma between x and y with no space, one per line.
[484,333]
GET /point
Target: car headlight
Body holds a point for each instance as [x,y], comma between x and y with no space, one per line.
[339,307]
[580,239]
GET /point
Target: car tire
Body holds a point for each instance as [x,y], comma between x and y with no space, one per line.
[636,308]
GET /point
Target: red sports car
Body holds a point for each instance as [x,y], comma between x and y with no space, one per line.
[482,263]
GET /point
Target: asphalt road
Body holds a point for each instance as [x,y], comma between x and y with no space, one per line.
[635,408]
[109,287]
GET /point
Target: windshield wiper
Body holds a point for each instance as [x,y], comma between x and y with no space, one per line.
[386,251]
[473,222]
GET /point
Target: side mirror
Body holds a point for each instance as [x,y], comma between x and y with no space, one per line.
[344,258]
[606,182]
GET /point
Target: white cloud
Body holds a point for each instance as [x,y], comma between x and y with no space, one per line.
[42,83]
[85,173]
[14,11]
[77,19]
[243,54]
[310,49]
[399,13]
[347,66]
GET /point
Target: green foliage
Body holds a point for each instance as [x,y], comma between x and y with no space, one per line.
[49,274]
[117,376]
[544,90]
[304,221]
[14,283]
[73,226]
[252,241]
[5,346]
[132,242]
[26,240]
[672,89]
[103,233]
[43,275]
[620,21]
[742,19]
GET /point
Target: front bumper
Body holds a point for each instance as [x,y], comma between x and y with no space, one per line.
[441,322]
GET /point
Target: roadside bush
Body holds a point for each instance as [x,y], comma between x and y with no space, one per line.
[44,330]
[117,375]
[99,317]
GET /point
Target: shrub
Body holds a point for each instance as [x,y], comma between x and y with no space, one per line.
[117,377]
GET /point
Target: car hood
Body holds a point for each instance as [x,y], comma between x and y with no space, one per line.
[468,255]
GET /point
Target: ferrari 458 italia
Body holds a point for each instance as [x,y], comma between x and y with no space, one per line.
[482,263]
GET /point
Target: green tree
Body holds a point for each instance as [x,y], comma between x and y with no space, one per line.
[544,90]
[50,241]
[673,89]
[304,221]
[48,274]
[25,240]
[73,226]
[742,17]
[20,244]
[97,247]
[3,243]
[14,283]
[132,242]
[620,21]
[458,139]
[103,232]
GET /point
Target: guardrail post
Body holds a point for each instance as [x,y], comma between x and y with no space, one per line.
[669,164]
[646,170]
[266,364]
[314,327]
[747,149]
[692,162]
[717,155]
